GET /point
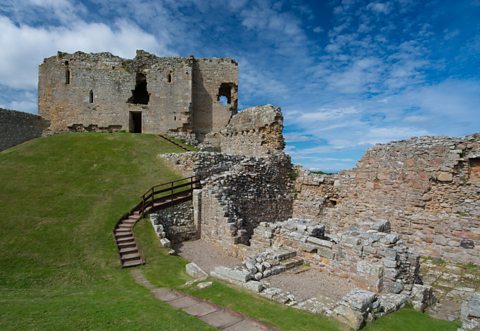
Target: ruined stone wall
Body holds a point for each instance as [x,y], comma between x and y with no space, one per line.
[175,223]
[255,131]
[101,92]
[17,127]
[212,79]
[427,187]
[236,201]
[313,194]
[369,255]
[202,164]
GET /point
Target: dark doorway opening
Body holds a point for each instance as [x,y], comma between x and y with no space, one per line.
[140,95]
[136,121]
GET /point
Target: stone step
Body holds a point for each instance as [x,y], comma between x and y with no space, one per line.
[125,226]
[130,256]
[123,230]
[126,240]
[129,221]
[127,244]
[132,263]
[292,263]
[129,249]
[123,234]
[281,256]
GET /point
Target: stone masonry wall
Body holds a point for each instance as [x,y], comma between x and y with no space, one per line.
[17,127]
[427,187]
[234,202]
[255,131]
[175,223]
[105,92]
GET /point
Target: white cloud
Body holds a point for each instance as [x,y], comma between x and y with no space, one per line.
[24,47]
[378,7]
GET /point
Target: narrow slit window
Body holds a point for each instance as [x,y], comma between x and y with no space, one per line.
[90,97]
[67,76]
[169,77]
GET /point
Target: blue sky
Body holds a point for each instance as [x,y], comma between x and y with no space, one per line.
[347,73]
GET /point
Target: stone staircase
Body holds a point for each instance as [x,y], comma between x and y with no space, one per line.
[128,250]
[287,260]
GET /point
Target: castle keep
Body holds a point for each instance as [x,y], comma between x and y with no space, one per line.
[149,94]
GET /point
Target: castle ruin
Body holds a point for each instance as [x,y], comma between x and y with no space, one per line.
[371,225]
[102,92]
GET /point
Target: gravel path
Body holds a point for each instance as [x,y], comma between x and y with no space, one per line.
[312,283]
[206,255]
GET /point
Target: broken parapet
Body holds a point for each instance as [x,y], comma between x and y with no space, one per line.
[255,131]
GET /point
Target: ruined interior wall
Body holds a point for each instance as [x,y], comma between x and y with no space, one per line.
[313,194]
[255,131]
[426,187]
[208,75]
[255,190]
[17,127]
[112,79]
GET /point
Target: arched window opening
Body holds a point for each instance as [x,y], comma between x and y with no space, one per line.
[67,76]
[140,95]
[90,97]
[225,94]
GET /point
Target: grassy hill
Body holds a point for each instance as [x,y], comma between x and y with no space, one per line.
[60,198]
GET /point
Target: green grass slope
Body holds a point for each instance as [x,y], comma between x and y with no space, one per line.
[59,200]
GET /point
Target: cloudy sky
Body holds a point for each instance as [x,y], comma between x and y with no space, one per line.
[347,73]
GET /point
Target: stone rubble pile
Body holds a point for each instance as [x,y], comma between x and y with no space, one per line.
[261,266]
[367,254]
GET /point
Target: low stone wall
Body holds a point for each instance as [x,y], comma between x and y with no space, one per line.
[426,187]
[175,223]
[17,127]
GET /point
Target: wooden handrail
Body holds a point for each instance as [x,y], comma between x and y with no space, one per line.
[149,198]
[178,194]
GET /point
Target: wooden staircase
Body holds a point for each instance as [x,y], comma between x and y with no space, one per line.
[158,197]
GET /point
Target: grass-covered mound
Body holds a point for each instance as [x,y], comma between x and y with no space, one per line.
[59,200]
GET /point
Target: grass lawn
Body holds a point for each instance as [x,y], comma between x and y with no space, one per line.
[60,198]
[410,320]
